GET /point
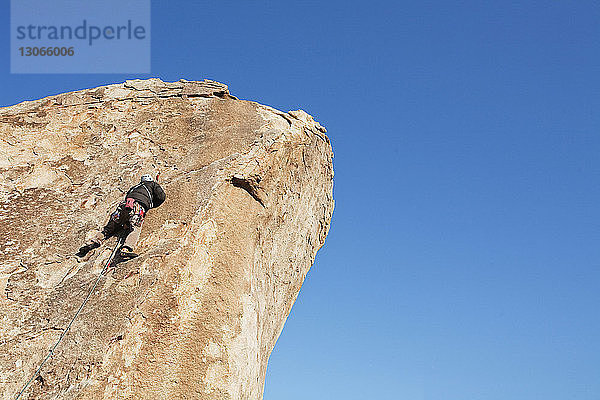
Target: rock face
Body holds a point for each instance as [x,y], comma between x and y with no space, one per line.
[196,316]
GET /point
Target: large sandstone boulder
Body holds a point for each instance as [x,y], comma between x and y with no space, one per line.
[196,316]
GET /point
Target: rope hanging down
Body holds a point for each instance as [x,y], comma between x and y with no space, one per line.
[62,335]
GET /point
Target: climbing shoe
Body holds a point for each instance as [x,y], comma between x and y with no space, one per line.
[127,253]
[83,250]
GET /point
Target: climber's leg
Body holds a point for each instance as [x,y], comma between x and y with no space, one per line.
[114,225]
[132,237]
[136,219]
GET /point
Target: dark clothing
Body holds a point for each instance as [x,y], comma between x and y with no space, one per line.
[148,194]
[128,217]
[124,217]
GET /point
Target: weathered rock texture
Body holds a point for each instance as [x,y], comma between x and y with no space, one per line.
[249,203]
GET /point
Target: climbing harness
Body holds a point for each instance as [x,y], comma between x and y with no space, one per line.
[118,245]
[129,202]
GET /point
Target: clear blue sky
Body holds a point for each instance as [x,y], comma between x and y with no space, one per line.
[463,260]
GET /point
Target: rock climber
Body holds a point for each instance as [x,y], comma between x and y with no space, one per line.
[129,216]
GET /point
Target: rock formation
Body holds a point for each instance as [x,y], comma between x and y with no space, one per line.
[197,314]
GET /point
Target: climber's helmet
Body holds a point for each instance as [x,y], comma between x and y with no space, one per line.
[147,178]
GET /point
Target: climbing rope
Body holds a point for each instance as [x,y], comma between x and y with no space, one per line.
[120,241]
